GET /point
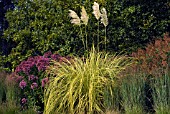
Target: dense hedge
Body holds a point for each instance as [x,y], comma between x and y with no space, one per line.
[5,46]
[137,22]
[36,26]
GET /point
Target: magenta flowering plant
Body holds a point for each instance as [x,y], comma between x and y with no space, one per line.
[22,84]
[31,79]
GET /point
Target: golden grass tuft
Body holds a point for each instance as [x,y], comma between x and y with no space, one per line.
[80,86]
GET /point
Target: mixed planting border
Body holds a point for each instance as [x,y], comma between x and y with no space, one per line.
[98,82]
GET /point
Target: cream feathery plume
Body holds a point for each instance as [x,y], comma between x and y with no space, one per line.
[84,16]
[104,18]
[96,10]
[75,18]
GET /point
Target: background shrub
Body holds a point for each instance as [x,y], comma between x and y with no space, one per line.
[41,25]
[4,6]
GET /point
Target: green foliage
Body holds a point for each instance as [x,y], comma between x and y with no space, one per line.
[2,86]
[8,90]
[133,23]
[11,107]
[11,89]
[9,95]
[2,62]
[8,108]
[30,77]
[40,25]
[83,85]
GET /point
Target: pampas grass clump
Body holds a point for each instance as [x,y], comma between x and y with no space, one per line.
[80,85]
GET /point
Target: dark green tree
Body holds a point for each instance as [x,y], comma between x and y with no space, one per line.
[37,26]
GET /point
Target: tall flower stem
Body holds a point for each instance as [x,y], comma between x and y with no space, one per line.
[81,35]
[86,38]
[105,40]
[98,38]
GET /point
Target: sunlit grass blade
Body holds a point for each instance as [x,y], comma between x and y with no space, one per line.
[79,85]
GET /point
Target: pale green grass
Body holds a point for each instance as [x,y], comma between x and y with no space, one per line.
[132,93]
[161,94]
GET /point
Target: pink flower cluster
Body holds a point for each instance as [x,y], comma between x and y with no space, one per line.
[27,68]
[23,100]
[44,81]
[22,84]
[34,85]
[30,76]
[41,62]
